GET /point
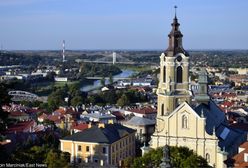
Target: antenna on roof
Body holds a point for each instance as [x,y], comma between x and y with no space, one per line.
[63,51]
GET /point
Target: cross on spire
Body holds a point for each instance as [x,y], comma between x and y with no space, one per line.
[175,11]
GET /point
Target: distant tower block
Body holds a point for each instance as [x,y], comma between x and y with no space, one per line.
[114,58]
[64,51]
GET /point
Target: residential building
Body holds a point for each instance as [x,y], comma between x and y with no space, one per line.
[145,127]
[22,127]
[60,79]
[100,117]
[146,112]
[19,115]
[105,144]
[80,127]
[142,82]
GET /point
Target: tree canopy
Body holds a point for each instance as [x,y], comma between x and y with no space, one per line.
[4,99]
[179,157]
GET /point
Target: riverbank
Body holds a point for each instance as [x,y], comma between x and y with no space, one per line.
[97,83]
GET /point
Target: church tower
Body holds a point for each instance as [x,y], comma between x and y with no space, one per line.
[184,119]
[173,86]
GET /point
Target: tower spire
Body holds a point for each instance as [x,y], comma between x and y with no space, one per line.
[175,39]
[175,11]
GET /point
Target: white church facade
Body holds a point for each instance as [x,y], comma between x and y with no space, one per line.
[188,119]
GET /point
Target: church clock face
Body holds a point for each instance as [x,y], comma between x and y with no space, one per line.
[179,58]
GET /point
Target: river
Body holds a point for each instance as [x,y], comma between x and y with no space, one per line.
[97,83]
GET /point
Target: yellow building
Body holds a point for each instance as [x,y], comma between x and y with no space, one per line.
[185,119]
[105,144]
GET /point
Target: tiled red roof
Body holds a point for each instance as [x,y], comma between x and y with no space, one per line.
[55,118]
[144,110]
[227,104]
[224,95]
[140,88]
[33,110]
[244,145]
[17,113]
[65,110]
[43,116]
[81,126]
[20,127]
[239,158]
[118,115]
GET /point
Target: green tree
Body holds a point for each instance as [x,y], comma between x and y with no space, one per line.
[56,98]
[103,81]
[123,101]
[111,79]
[75,101]
[4,99]
[56,159]
[109,97]
[179,157]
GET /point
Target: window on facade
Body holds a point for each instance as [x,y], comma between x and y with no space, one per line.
[208,157]
[164,74]
[179,74]
[79,148]
[184,121]
[162,109]
[104,150]
[87,148]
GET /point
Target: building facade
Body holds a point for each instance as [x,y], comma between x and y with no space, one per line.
[105,144]
[189,120]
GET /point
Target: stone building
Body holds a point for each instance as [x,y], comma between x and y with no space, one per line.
[102,145]
[185,119]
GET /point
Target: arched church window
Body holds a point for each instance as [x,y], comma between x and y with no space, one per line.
[162,109]
[184,121]
[179,74]
[164,74]
[208,157]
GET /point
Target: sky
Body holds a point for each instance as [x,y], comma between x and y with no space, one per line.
[121,24]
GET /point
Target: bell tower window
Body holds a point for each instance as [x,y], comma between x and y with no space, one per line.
[164,74]
[179,74]
[162,109]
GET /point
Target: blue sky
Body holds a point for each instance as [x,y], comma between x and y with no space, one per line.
[121,24]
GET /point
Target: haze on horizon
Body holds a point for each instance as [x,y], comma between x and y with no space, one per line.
[122,24]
